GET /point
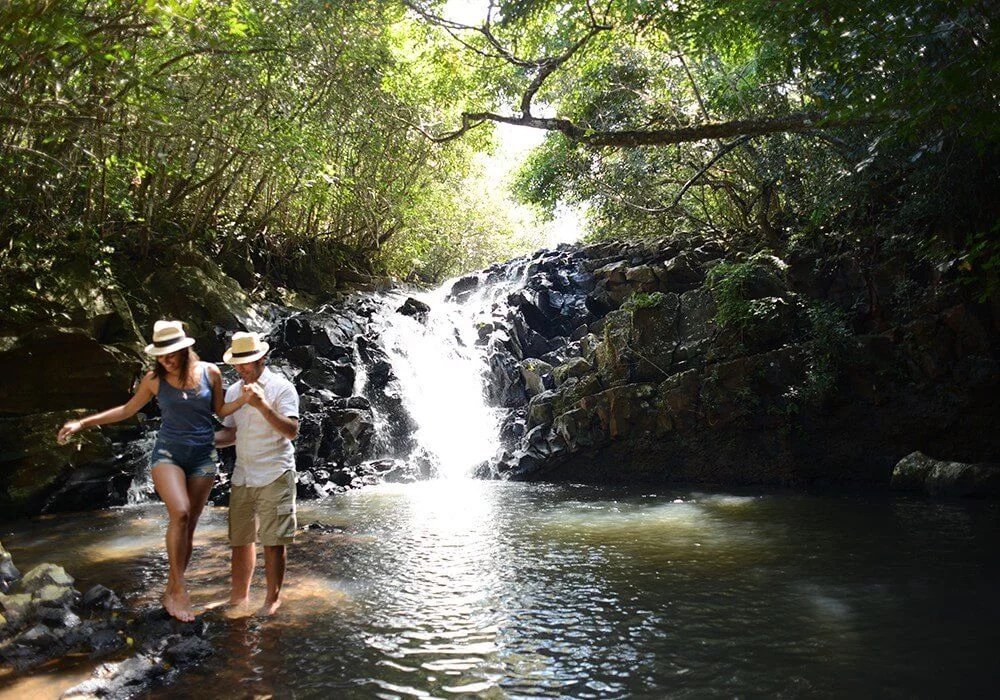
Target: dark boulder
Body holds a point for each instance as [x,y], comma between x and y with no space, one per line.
[414,308]
[337,377]
[918,472]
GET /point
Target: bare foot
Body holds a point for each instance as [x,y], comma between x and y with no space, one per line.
[269,607]
[178,605]
[238,602]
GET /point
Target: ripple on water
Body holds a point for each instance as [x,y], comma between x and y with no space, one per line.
[522,590]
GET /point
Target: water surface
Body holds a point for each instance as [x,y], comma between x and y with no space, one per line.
[455,588]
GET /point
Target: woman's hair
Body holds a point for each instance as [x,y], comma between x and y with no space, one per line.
[188,361]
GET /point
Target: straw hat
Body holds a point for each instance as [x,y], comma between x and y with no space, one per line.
[246,347]
[168,337]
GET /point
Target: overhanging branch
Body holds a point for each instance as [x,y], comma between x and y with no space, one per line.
[798,122]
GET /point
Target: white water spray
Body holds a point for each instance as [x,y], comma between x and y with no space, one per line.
[440,370]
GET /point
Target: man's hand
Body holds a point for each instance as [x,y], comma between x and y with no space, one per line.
[253,395]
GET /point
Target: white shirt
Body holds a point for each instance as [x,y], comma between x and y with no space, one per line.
[262,453]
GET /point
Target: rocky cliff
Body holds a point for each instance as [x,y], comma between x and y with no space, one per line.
[654,361]
[666,361]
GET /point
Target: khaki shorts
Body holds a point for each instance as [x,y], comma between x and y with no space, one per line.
[271,506]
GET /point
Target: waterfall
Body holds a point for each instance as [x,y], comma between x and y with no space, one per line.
[416,404]
[440,367]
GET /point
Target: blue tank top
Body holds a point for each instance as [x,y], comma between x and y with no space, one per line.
[186,413]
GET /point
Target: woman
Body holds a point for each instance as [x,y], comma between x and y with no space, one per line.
[183,462]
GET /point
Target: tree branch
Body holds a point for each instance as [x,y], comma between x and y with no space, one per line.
[798,122]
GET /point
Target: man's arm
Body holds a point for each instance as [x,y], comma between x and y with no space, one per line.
[288,427]
[225,437]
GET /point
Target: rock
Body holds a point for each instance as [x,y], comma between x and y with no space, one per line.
[678,398]
[588,343]
[105,640]
[576,429]
[99,597]
[338,377]
[505,381]
[8,572]
[346,435]
[680,274]
[574,367]
[641,275]
[211,303]
[97,307]
[537,375]
[918,472]
[321,527]
[53,595]
[40,636]
[45,575]
[33,466]
[414,308]
[401,473]
[58,617]
[99,375]
[540,410]
[187,650]
[463,287]
[16,608]
[119,680]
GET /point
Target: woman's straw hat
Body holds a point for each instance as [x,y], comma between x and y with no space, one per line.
[246,347]
[168,337]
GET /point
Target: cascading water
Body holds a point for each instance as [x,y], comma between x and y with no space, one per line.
[440,368]
[390,395]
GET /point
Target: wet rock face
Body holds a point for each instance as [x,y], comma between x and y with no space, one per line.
[629,374]
[345,381]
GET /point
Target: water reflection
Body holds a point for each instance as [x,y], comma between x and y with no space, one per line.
[460,588]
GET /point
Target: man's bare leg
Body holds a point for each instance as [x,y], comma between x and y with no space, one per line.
[274,572]
[244,560]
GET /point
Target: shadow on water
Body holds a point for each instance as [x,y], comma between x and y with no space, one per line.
[455,588]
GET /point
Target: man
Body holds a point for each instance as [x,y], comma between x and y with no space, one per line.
[262,501]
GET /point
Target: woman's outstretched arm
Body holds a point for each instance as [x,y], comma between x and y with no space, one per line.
[142,395]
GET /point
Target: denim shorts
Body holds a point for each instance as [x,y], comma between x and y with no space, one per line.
[195,460]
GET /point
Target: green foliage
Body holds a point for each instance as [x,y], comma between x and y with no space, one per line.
[829,343]
[271,132]
[982,263]
[642,300]
[917,173]
[458,226]
[737,308]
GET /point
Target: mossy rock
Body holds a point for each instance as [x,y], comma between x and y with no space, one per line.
[211,304]
[51,368]
[33,465]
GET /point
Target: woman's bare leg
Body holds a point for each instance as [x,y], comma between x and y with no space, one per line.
[171,486]
[198,490]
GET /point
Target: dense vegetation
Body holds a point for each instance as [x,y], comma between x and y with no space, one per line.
[292,139]
[813,127]
[273,136]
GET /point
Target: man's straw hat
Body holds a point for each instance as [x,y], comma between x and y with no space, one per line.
[168,337]
[246,347]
